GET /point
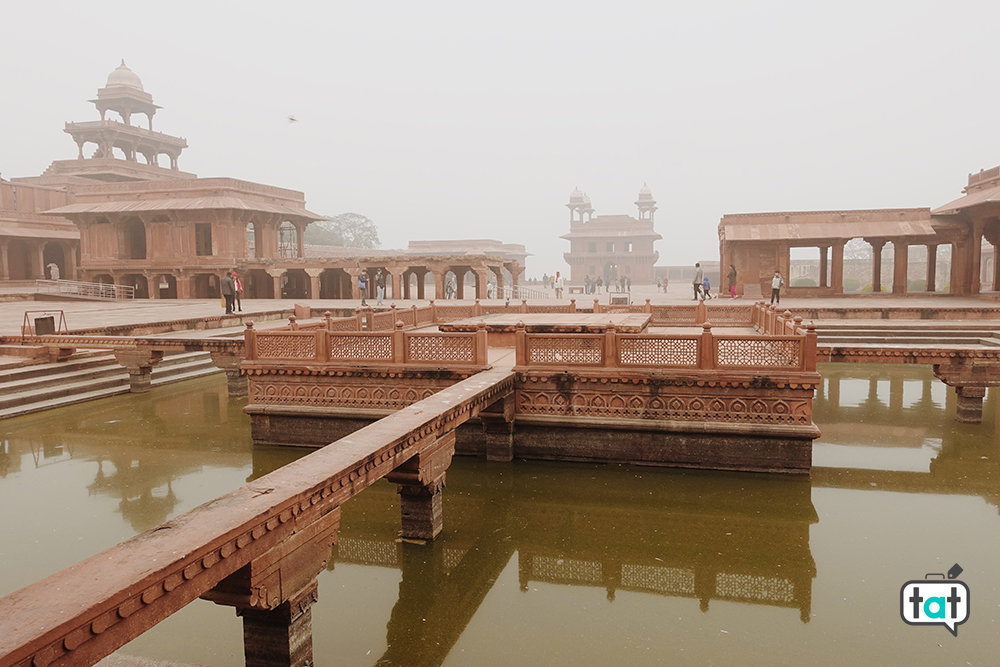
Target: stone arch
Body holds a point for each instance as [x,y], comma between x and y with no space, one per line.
[295,284]
[166,285]
[54,253]
[206,286]
[257,284]
[288,240]
[139,282]
[334,284]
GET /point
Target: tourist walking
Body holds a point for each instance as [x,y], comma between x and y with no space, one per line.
[238,292]
[699,275]
[228,291]
[731,278]
[777,282]
[379,287]
[706,287]
[560,285]
[363,288]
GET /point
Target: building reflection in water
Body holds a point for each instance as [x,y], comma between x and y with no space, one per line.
[690,534]
[141,445]
[893,429]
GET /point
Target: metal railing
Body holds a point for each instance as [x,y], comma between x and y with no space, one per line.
[103,291]
[522,292]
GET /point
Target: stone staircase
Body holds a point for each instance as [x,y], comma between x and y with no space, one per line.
[880,332]
[87,376]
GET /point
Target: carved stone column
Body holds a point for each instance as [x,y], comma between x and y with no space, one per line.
[877,245]
[837,268]
[824,253]
[4,262]
[438,285]
[900,264]
[419,483]
[276,277]
[140,367]
[314,275]
[482,278]
[931,267]
[237,383]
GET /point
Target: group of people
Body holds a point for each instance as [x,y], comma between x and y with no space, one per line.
[703,288]
[379,287]
[596,285]
[232,292]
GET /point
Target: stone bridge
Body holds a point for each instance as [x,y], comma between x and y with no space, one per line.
[258,548]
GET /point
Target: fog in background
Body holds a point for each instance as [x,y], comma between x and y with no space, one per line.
[477,120]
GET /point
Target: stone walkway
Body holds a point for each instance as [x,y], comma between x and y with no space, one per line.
[87,314]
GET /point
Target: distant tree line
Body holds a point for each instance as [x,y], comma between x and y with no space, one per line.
[350,230]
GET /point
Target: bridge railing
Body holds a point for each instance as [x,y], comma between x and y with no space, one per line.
[707,351]
[320,345]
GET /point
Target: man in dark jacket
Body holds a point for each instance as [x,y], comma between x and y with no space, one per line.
[229,292]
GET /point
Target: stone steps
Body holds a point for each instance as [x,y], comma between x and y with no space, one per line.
[909,333]
[45,386]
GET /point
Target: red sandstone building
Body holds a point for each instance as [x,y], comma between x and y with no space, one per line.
[116,216]
[759,243]
[610,246]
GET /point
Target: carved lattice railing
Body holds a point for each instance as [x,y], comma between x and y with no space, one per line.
[321,346]
[706,351]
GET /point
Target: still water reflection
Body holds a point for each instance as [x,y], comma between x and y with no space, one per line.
[559,564]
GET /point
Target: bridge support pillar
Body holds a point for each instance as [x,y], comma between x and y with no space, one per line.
[274,594]
[140,367]
[280,637]
[419,483]
[498,429]
[238,384]
[969,408]
[970,378]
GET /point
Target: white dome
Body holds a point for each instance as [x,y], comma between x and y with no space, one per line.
[123,76]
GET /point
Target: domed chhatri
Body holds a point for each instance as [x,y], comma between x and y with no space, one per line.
[123,76]
[645,194]
[576,197]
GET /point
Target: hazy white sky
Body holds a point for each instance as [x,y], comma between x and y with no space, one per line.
[477,120]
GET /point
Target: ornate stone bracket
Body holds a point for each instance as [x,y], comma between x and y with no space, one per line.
[140,367]
[970,379]
[230,363]
[419,482]
[498,428]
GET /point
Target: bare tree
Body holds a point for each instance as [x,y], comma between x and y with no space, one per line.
[857,249]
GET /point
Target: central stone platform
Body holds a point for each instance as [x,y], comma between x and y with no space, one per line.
[501,327]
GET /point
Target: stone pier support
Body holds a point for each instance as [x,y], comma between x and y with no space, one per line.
[498,429]
[275,592]
[280,637]
[970,381]
[419,482]
[140,367]
[970,404]
[237,383]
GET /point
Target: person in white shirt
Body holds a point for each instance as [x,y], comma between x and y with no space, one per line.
[560,284]
[776,283]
